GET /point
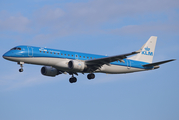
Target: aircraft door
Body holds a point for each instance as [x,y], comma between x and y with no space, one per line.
[128,64]
[30,51]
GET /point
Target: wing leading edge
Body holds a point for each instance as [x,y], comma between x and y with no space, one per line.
[97,63]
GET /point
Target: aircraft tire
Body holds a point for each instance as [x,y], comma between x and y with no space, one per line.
[73,80]
[21,70]
[91,76]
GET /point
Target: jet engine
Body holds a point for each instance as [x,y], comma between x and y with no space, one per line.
[49,71]
[76,65]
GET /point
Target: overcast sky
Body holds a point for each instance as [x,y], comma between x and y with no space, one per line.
[106,27]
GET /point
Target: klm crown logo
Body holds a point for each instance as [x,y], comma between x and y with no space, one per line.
[147,52]
[147,49]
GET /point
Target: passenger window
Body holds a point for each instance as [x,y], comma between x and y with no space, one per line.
[18,48]
[83,56]
[47,52]
[54,53]
[58,53]
[44,51]
[80,56]
[72,55]
[68,55]
[65,54]
[91,57]
[61,54]
[51,52]
[40,51]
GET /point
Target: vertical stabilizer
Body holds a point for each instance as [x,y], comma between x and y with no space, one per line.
[147,51]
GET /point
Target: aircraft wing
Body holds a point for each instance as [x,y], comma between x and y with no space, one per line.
[158,63]
[97,63]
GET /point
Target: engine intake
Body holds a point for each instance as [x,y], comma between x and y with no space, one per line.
[49,71]
[76,65]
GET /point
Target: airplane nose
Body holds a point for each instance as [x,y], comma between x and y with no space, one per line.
[6,55]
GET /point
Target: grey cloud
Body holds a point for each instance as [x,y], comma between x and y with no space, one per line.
[85,16]
[89,17]
[48,15]
[152,28]
[17,22]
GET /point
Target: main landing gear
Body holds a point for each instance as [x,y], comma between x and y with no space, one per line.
[21,64]
[91,76]
[73,79]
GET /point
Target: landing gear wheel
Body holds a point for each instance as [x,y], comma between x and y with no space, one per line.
[21,70]
[72,79]
[91,76]
[21,64]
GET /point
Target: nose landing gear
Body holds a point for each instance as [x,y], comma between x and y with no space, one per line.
[21,70]
[21,64]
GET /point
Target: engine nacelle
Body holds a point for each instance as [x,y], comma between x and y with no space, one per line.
[49,71]
[76,65]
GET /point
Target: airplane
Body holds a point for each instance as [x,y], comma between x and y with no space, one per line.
[56,62]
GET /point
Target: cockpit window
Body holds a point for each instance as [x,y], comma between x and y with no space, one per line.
[16,48]
[13,49]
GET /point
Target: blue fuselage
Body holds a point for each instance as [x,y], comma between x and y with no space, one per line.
[41,52]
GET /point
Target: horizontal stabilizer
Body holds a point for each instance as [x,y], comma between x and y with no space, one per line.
[158,63]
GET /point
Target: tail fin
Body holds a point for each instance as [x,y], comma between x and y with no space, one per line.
[147,51]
